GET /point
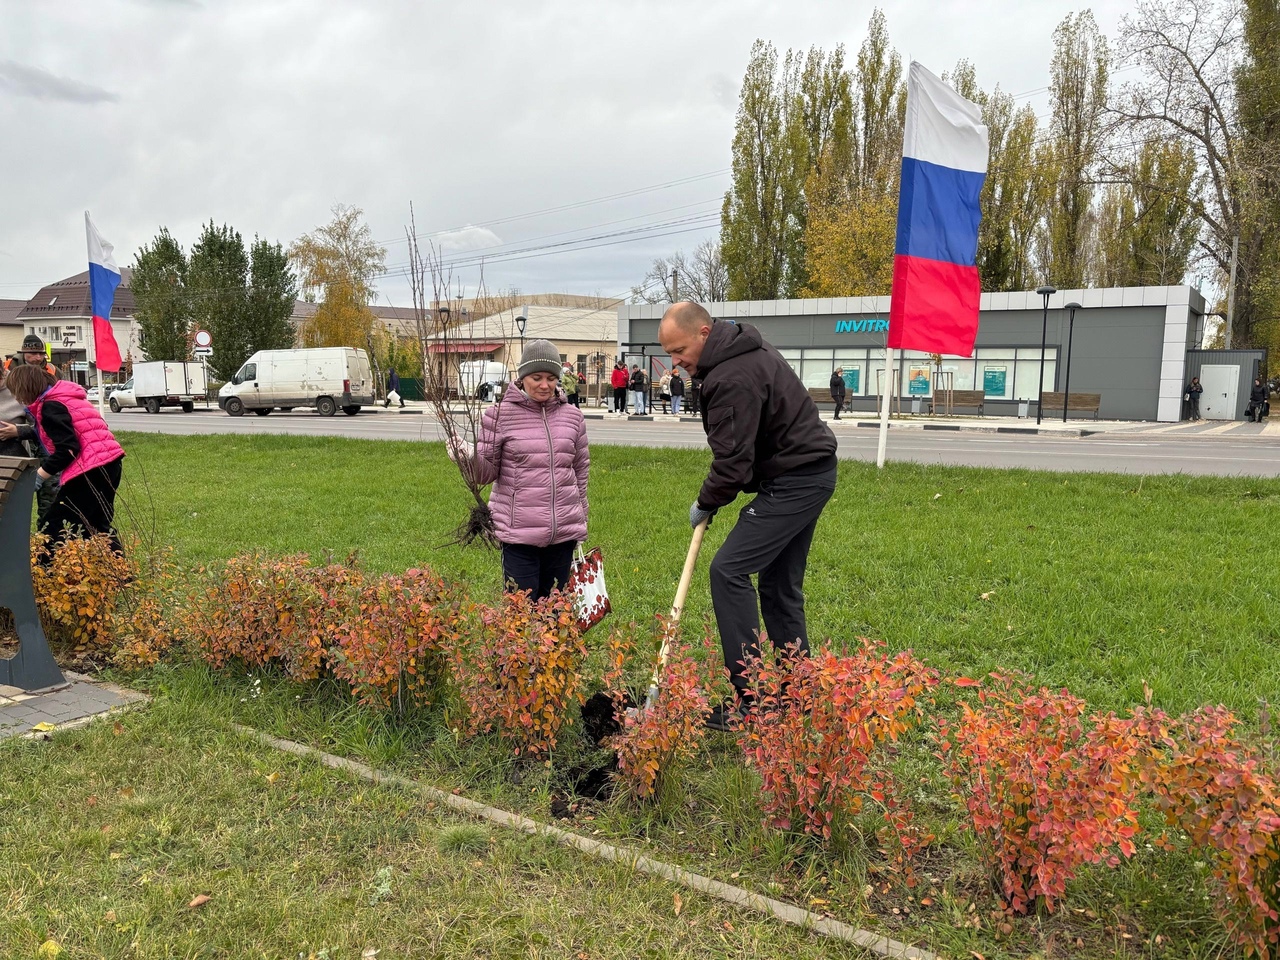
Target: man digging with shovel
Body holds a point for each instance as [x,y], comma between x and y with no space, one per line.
[766,438]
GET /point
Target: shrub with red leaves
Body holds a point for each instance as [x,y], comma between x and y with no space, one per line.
[1047,788]
[1215,788]
[817,735]
[520,669]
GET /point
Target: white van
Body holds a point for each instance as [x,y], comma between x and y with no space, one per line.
[327,378]
[482,379]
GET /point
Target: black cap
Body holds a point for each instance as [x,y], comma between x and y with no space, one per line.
[31,343]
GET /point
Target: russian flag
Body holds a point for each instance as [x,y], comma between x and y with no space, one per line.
[934,307]
[104,277]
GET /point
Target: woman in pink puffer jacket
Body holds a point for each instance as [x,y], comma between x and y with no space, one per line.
[533,448]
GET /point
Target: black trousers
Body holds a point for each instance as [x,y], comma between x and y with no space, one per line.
[619,399]
[839,401]
[536,569]
[86,505]
[771,539]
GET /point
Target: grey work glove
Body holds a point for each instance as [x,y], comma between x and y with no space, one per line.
[697,515]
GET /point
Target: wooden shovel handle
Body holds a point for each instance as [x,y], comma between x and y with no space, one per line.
[686,575]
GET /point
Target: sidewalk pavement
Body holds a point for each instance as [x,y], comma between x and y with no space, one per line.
[1074,427]
[68,705]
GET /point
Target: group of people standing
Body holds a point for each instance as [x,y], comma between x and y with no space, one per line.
[80,459]
[1258,407]
[766,439]
[671,390]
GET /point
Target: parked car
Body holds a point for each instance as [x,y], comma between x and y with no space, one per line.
[482,379]
[326,378]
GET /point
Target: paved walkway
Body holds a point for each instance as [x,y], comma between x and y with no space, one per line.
[81,699]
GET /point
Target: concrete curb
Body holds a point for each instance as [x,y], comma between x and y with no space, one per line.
[972,428]
[796,916]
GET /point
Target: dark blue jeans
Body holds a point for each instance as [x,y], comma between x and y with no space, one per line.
[771,539]
[536,569]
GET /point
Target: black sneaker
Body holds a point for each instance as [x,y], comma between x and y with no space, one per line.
[727,717]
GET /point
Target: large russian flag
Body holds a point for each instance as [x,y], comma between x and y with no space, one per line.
[934,307]
[104,277]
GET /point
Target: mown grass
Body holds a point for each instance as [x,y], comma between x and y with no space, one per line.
[1096,583]
[109,833]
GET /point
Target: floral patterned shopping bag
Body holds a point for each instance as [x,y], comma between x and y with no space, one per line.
[586,583]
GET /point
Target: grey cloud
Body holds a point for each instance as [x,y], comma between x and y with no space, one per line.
[28,81]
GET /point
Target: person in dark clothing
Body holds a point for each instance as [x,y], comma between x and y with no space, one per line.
[393,386]
[81,452]
[837,390]
[676,389]
[1193,398]
[766,438]
[1257,408]
[639,391]
[695,394]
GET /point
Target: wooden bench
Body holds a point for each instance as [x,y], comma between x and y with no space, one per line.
[1076,403]
[33,666]
[965,399]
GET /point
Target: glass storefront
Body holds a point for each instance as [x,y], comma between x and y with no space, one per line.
[1004,373]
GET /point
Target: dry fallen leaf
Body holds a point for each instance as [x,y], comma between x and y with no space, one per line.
[44,727]
[49,950]
[127,792]
[118,728]
[91,801]
[937,496]
[369,953]
[677,903]
[199,900]
[987,595]
[109,917]
[728,926]
[272,777]
[735,875]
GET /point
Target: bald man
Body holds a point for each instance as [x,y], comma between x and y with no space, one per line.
[766,438]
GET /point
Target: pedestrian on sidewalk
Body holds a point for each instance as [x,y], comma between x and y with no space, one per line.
[393,389]
[837,390]
[1193,398]
[569,384]
[639,388]
[532,447]
[766,438]
[83,461]
[619,380]
[1257,401]
[676,388]
[664,390]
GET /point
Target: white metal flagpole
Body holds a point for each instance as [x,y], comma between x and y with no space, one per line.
[884,407]
[91,353]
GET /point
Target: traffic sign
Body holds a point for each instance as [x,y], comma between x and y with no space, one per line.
[204,351]
[203,338]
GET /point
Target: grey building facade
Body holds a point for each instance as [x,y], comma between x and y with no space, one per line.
[1130,345]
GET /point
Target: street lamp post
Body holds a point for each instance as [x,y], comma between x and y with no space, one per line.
[1046,291]
[520,325]
[1071,329]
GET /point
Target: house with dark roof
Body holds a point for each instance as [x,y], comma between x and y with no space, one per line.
[61,315]
[10,326]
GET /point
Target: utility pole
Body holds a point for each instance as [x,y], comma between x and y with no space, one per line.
[675,285]
[1231,289]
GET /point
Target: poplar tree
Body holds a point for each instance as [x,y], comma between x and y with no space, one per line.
[162,307]
[218,274]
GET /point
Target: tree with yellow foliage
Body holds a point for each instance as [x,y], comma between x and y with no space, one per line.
[338,264]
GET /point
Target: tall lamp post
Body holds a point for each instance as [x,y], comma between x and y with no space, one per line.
[1071,329]
[1046,291]
[520,325]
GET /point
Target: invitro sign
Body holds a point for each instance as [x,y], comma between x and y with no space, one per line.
[871,325]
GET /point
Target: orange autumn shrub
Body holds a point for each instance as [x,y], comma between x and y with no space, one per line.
[79,593]
[390,645]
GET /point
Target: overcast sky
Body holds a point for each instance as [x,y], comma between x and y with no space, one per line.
[486,115]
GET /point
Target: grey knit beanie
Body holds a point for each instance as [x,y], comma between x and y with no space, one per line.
[540,356]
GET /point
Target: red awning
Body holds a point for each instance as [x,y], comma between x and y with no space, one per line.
[464,346]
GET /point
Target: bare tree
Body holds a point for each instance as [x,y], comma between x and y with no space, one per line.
[458,411]
[702,277]
[1189,51]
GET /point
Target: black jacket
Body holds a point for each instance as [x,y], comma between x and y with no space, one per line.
[676,386]
[759,418]
[639,381]
[1195,389]
[1257,393]
[837,386]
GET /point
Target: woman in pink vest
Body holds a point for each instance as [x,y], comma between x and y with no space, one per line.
[80,448]
[532,447]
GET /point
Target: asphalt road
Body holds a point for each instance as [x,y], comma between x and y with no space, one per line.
[1233,450]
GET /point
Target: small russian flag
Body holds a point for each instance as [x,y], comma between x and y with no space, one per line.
[104,277]
[934,307]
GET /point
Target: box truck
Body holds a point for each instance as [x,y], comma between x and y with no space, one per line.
[482,379]
[162,383]
[325,378]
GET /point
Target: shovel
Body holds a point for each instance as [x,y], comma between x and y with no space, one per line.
[682,591]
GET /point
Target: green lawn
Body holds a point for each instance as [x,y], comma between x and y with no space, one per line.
[1095,582]
[1098,583]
